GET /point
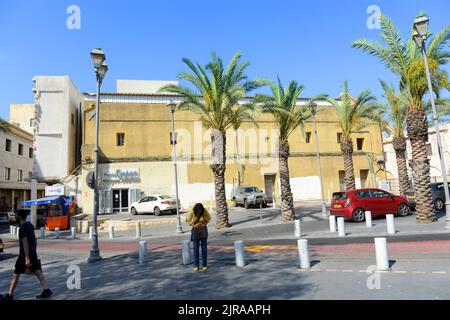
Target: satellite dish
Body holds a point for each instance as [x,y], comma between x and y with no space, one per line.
[90,180]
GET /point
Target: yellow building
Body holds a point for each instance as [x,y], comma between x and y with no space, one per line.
[136,155]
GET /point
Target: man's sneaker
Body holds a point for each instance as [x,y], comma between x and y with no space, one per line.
[6,297]
[195,269]
[45,294]
[204,268]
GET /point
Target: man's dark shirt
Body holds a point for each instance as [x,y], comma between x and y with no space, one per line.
[27,230]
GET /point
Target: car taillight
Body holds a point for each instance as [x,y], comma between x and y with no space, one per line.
[347,203]
[165,202]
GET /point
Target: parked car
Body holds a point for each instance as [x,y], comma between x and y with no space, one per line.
[156,204]
[437,193]
[352,204]
[7,217]
[248,196]
[2,246]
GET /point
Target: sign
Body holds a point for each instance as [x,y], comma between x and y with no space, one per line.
[54,190]
[122,175]
[385,185]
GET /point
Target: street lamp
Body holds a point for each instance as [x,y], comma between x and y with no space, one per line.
[324,206]
[419,36]
[173,141]
[98,59]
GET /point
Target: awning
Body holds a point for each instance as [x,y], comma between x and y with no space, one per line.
[47,200]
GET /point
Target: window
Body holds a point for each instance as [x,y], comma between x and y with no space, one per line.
[8,145]
[308,137]
[19,175]
[30,175]
[7,174]
[30,153]
[380,194]
[31,122]
[360,144]
[363,194]
[120,139]
[20,151]
[72,119]
[429,150]
[339,137]
[342,180]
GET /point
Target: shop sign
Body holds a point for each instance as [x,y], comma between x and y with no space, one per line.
[122,175]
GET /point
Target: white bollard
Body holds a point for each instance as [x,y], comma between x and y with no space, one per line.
[142,251]
[390,224]
[341,227]
[13,232]
[91,230]
[298,230]
[381,254]
[368,215]
[57,233]
[332,223]
[303,253]
[42,233]
[17,231]
[111,232]
[186,252]
[11,229]
[138,230]
[73,232]
[239,251]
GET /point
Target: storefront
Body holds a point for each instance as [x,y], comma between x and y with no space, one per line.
[119,189]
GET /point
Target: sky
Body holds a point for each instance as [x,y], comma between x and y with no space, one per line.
[306,41]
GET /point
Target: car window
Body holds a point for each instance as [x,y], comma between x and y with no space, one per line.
[339,196]
[3,214]
[363,194]
[153,198]
[146,199]
[380,194]
[165,197]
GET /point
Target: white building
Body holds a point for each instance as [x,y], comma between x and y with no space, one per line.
[56,116]
[16,165]
[433,155]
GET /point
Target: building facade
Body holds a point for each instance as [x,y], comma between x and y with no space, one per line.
[433,155]
[136,154]
[16,165]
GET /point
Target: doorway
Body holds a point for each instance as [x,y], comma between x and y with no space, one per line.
[120,200]
[364,175]
[269,186]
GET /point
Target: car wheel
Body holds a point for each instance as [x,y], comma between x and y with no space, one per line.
[236,204]
[403,210]
[157,211]
[133,211]
[358,215]
[264,205]
[246,204]
[439,204]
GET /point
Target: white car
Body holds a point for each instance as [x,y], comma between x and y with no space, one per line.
[156,204]
[7,217]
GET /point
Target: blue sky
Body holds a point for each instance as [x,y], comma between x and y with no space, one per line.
[307,41]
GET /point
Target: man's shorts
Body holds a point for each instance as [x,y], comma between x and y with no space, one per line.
[21,268]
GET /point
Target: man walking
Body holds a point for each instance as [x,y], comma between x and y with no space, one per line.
[28,261]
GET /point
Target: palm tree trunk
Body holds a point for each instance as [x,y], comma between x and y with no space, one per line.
[287,201]
[218,166]
[399,144]
[347,152]
[418,135]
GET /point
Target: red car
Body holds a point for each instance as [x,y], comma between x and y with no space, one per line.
[352,204]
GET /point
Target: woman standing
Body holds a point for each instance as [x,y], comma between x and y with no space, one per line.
[199,218]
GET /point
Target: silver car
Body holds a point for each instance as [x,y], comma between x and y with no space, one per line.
[249,197]
[7,217]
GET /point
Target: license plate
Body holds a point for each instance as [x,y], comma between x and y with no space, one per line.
[337,206]
[411,197]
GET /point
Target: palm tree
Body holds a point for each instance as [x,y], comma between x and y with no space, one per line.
[394,123]
[282,104]
[404,59]
[352,114]
[215,98]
